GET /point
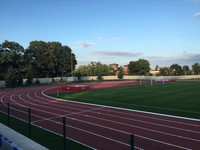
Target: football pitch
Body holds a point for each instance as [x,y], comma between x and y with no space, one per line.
[181,98]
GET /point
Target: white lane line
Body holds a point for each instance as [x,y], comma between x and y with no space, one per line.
[152,130]
[69,104]
[107,128]
[135,120]
[92,110]
[14,101]
[165,143]
[159,124]
[177,146]
[71,113]
[146,122]
[166,120]
[129,110]
[2,97]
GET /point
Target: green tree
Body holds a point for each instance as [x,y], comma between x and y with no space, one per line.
[132,67]
[196,68]
[36,56]
[93,69]
[50,59]
[12,63]
[165,71]
[140,67]
[177,69]
[120,73]
[186,69]
[40,59]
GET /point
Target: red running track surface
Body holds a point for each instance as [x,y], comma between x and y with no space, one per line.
[102,127]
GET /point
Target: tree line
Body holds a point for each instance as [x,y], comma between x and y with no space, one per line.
[41,59]
[178,70]
[139,67]
[52,59]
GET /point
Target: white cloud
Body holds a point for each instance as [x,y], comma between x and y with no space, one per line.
[185,59]
[117,53]
[197,14]
[86,44]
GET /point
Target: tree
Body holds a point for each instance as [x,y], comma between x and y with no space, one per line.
[186,69]
[132,67]
[120,74]
[94,69]
[177,69]
[196,68]
[140,67]
[165,71]
[36,56]
[12,63]
[13,54]
[60,60]
[40,59]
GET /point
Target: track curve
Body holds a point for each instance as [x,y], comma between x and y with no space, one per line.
[102,127]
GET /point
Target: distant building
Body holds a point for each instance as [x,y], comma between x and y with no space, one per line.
[156,71]
[125,69]
[114,66]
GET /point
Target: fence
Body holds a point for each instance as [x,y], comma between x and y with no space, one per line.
[97,137]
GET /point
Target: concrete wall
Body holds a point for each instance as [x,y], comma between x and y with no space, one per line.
[19,141]
[2,84]
[94,78]
[88,78]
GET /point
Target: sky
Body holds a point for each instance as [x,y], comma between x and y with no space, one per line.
[164,32]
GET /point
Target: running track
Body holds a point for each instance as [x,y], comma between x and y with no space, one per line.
[102,127]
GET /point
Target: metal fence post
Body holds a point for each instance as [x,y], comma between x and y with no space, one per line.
[8,114]
[132,141]
[64,133]
[29,122]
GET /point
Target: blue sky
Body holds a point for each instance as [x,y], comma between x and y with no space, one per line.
[110,31]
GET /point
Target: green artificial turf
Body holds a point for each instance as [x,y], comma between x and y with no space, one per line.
[179,98]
